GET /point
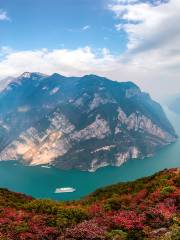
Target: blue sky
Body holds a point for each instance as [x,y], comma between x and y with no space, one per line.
[124,40]
[60,23]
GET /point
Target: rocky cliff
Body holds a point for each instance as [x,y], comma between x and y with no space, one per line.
[83,123]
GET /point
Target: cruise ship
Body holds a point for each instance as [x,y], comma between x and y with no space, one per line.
[45,166]
[65,190]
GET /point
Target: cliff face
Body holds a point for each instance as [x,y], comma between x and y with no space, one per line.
[83,123]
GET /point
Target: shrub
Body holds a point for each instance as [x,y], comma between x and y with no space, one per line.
[117,235]
[95,209]
[88,230]
[173,234]
[74,214]
[167,190]
[177,181]
[42,206]
[113,204]
[135,235]
[128,220]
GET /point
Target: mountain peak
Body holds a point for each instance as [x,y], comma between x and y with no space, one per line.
[25,75]
[63,120]
[32,74]
[91,75]
[57,75]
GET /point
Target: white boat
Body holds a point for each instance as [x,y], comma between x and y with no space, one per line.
[45,166]
[64,190]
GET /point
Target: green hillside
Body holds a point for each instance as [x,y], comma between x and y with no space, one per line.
[144,209]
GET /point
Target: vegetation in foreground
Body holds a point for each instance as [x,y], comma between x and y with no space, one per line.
[147,208]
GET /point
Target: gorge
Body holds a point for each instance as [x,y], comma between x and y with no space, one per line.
[79,122]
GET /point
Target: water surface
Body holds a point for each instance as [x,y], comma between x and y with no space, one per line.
[42,182]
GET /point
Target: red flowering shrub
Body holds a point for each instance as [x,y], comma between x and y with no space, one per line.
[16,224]
[86,230]
[129,220]
[167,209]
[139,210]
[139,197]
[95,209]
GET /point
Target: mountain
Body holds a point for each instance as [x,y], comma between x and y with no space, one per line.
[147,208]
[4,82]
[174,104]
[79,122]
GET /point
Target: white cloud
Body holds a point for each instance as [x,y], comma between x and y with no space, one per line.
[4,50]
[83,61]
[86,27]
[153,33]
[152,59]
[4,15]
[148,26]
[68,62]
[119,26]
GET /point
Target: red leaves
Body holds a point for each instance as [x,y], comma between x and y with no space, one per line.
[23,225]
[129,219]
[165,209]
[150,206]
[95,209]
[143,212]
[140,196]
[86,230]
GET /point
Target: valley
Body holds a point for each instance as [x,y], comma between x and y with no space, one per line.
[41,182]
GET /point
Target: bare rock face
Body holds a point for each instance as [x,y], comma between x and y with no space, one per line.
[98,129]
[36,148]
[83,123]
[137,121]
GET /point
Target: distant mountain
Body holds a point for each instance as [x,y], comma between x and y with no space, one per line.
[4,82]
[174,104]
[147,208]
[79,122]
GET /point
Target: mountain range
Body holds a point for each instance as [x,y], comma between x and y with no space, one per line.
[79,122]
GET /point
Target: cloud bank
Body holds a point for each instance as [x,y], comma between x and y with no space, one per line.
[4,15]
[152,58]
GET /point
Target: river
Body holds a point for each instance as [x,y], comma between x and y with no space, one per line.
[41,182]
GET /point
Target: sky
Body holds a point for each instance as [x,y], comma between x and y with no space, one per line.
[124,40]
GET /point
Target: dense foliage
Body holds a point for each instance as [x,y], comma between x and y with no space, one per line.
[147,208]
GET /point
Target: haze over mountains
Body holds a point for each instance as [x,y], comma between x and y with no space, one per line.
[79,122]
[4,82]
[174,104]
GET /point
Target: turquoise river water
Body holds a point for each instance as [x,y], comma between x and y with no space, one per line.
[41,182]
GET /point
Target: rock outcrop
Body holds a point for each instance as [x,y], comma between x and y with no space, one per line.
[83,123]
